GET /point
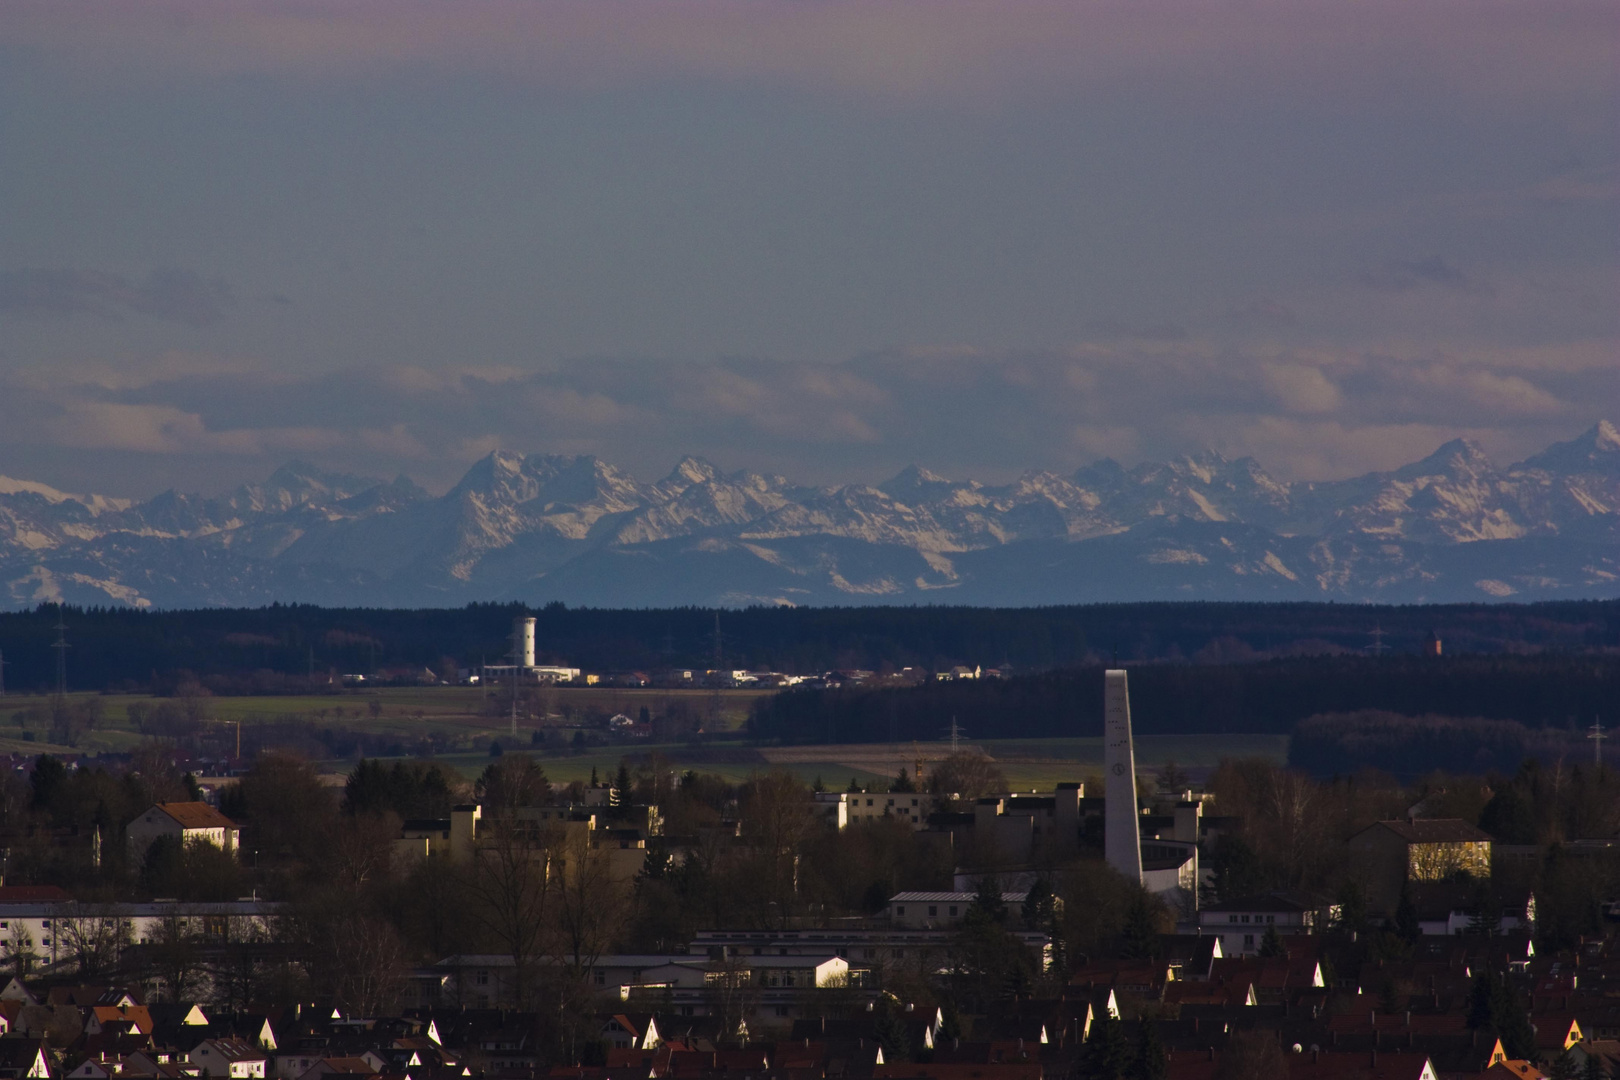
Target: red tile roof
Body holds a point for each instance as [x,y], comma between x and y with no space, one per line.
[196,815]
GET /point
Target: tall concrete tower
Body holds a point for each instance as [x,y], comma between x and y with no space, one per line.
[1122,841]
[523,642]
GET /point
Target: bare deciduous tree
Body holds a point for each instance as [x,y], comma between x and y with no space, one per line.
[512,892]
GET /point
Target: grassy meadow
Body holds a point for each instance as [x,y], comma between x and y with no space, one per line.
[462,722]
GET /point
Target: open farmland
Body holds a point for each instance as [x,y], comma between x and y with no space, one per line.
[457,726]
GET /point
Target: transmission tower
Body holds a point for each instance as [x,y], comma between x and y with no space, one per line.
[1377,647]
[517,664]
[1597,736]
[61,646]
[714,702]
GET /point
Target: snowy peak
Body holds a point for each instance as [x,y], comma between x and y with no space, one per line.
[1596,450]
[1457,458]
[693,470]
[574,527]
[304,482]
[914,484]
[553,480]
[96,504]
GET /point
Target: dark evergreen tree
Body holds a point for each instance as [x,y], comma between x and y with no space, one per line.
[1406,919]
[1040,906]
[1139,939]
[1271,944]
[1352,907]
[1512,1022]
[1106,1054]
[1482,1001]
[1149,1062]
[1235,870]
[1509,817]
[1484,914]
[987,902]
[892,1033]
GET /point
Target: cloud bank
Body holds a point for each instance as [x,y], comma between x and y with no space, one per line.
[1305,414]
[172,295]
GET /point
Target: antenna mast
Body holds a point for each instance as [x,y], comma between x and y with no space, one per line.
[1597,738]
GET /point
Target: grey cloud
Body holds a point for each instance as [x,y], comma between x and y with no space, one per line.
[1112,329]
[990,416]
[1404,276]
[170,294]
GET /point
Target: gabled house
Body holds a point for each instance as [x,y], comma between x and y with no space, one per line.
[97,1067]
[161,1064]
[340,1066]
[14,990]
[229,1059]
[624,1031]
[84,997]
[118,1019]
[187,822]
[24,1059]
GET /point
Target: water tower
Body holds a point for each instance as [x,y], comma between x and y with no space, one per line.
[523,642]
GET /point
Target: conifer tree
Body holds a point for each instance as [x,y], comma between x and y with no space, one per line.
[1106,1053]
[1149,1062]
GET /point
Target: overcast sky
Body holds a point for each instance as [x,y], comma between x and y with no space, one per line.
[819,238]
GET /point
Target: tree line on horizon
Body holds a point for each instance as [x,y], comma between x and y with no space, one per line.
[1540,691]
[278,648]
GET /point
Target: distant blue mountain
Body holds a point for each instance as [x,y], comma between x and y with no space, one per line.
[1452,527]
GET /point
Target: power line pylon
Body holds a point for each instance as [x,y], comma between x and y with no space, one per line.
[61,646]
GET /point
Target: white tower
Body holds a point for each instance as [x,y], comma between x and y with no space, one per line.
[1122,841]
[523,642]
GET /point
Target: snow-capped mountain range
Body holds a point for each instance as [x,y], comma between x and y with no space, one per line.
[537,528]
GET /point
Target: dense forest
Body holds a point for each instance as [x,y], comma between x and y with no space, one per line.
[126,648]
[1408,747]
[1549,690]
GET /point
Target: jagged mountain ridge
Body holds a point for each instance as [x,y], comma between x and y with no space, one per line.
[539,527]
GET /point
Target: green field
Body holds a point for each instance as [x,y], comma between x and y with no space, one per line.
[460,719]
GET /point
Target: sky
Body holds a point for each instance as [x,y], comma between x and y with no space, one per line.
[811,237]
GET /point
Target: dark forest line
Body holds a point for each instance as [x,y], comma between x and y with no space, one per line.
[121,647]
[1548,690]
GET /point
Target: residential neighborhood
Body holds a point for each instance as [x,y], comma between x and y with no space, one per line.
[663,924]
